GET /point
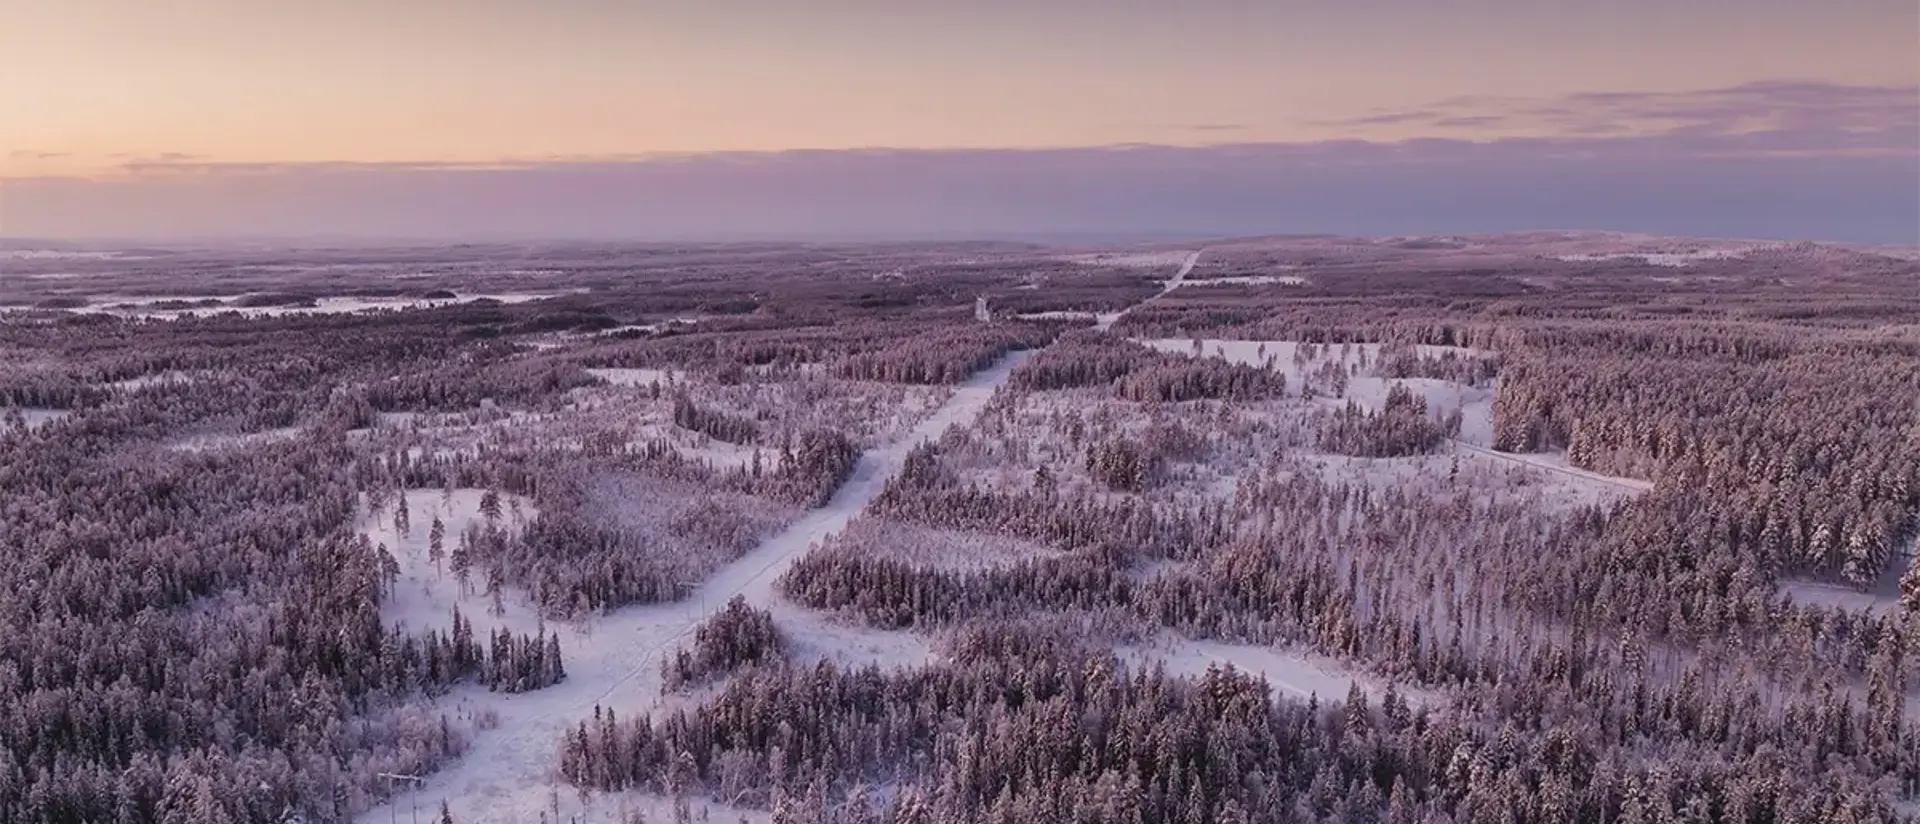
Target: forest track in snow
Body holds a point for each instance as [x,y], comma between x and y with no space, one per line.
[1539,462]
[613,662]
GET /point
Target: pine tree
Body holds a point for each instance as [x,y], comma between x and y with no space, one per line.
[401,522]
[462,561]
[1910,586]
[436,543]
[490,506]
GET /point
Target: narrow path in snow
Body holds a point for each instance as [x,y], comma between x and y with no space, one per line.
[1547,463]
[753,574]
[1179,277]
[1105,320]
[613,660]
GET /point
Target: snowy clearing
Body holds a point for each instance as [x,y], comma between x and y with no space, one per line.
[1491,480]
[928,547]
[32,417]
[1134,260]
[215,443]
[1880,598]
[64,254]
[1248,280]
[612,660]
[1672,259]
[637,377]
[1297,360]
[171,376]
[144,307]
[1474,403]
[1058,315]
[1555,462]
[1292,674]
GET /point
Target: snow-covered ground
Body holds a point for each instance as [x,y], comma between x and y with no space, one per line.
[1057,315]
[1137,260]
[1556,463]
[141,307]
[34,417]
[612,660]
[636,377]
[211,443]
[64,254]
[1293,674]
[1674,259]
[425,596]
[1186,262]
[927,547]
[171,376]
[1248,280]
[1282,356]
[1475,404]
[1882,597]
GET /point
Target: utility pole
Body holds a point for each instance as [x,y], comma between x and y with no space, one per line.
[415,780]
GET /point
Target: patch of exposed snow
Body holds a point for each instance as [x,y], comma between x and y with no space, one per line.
[1132,260]
[934,548]
[1057,315]
[141,307]
[1556,462]
[34,417]
[64,254]
[1819,593]
[1881,597]
[637,377]
[168,377]
[395,420]
[1671,259]
[425,597]
[1295,675]
[214,443]
[1248,280]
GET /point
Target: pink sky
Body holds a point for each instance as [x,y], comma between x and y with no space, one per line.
[124,94]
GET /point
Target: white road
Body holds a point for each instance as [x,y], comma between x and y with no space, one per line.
[1105,320]
[508,773]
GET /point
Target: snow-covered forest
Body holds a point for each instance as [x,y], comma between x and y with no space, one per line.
[1506,529]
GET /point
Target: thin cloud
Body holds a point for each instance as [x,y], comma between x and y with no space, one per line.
[1814,114]
[1596,139]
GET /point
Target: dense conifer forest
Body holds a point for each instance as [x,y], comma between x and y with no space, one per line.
[1492,530]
